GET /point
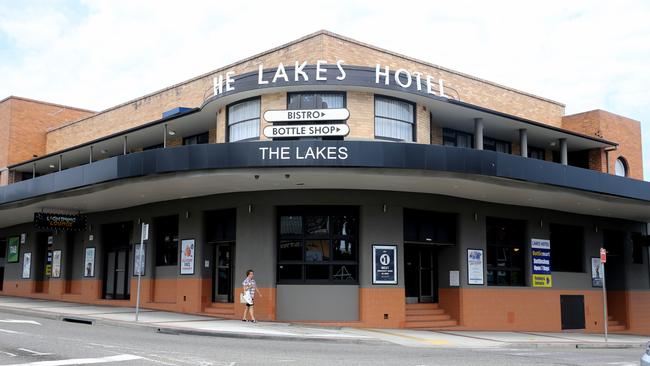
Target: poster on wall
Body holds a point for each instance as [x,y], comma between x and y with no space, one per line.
[596,272]
[138,260]
[475,267]
[89,263]
[13,249]
[56,264]
[541,253]
[27,265]
[384,265]
[187,256]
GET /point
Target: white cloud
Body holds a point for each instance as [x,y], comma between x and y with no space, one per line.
[100,53]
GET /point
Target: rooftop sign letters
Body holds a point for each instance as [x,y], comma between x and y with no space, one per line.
[298,72]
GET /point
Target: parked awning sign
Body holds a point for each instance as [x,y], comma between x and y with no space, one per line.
[324,130]
[304,115]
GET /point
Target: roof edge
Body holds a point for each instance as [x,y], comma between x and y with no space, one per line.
[47,103]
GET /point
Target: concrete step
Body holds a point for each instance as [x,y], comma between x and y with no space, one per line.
[426,305]
[220,309]
[417,312]
[613,323]
[431,324]
[616,328]
[426,318]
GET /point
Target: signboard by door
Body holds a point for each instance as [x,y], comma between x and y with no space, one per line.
[596,273]
[541,253]
[384,264]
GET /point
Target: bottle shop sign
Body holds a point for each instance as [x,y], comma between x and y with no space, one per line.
[334,114]
[321,130]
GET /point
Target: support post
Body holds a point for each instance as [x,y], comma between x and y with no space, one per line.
[602,269]
[125,145]
[60,162]
[165,136]
[478,133]
[523,142]
[564,155]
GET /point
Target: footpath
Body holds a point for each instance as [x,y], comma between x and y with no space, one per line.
[175,323]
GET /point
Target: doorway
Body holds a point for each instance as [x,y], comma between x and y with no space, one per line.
[117,244]
[421,272]
[220,234]
[222,276]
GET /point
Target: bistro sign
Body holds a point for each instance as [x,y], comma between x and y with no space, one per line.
[59,222]
[334,114]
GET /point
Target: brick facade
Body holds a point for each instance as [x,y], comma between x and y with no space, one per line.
[610,126]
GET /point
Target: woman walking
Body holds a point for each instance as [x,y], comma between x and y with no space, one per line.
[250,290]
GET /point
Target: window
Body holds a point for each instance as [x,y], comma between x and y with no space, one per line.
[318,244]
[321,100]
[496,145]
[620,168]
[166,237]
[202,138]
[457,138]
[244,120]
[394,119]
[506,241]
[567,248]
[536,153]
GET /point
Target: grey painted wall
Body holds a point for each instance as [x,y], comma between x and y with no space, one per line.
[318,302]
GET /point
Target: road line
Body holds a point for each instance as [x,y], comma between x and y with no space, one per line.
[35,353]
[9,331]
[82,361]
[15,321]
[8,354]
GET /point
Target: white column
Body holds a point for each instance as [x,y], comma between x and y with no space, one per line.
[478,133]
[523,142]
[564,159]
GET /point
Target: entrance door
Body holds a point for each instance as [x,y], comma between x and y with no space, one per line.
[116,282]
[222,276]
[572,309]
[116,241]
[421,273]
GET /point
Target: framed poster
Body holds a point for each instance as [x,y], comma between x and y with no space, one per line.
[89,263]
[187,256]
[541,259]
[56,264]
[13,249]
[475,271]
[27,265]
[384,264]
[139,259]
[596,274]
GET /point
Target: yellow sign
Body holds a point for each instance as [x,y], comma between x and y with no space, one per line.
[542,280]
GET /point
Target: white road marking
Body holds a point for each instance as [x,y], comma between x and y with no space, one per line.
[35,353]
[82,361]
[8,354]
[15,321]
[8,331]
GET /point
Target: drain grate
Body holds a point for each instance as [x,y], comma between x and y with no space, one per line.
[78,320]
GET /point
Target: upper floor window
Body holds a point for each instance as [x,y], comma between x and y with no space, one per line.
[620,168]
[244,120]
[536,153]
[457,138]
[202,138]
[322,100]
[496,145]
[394,119]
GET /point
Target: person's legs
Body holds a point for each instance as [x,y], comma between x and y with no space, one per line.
[245,311]
[250,310]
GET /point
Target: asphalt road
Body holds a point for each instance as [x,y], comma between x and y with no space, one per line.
[47,342]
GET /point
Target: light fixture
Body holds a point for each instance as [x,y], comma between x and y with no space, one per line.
[383,207]
[541,223]
[475,217]
[171,132]
[250,208]
[553,143]
[256,176]
[104,151]
[52,166]
[287,176]
[187,214]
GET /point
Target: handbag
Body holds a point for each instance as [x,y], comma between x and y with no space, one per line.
[242,298]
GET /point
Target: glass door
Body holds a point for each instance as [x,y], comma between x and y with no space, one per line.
[223,272]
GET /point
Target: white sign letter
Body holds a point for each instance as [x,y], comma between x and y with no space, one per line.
[260,74]
[399,81]
[298,71]
[230,81]
[320,69]
[280,73]
[339,64]
[379,73]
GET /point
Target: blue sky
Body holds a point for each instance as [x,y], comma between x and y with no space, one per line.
[96,54]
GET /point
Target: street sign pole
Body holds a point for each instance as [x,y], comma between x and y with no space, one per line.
[144,234]
[603,257]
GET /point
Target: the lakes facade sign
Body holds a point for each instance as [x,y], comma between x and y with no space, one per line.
[331,74]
